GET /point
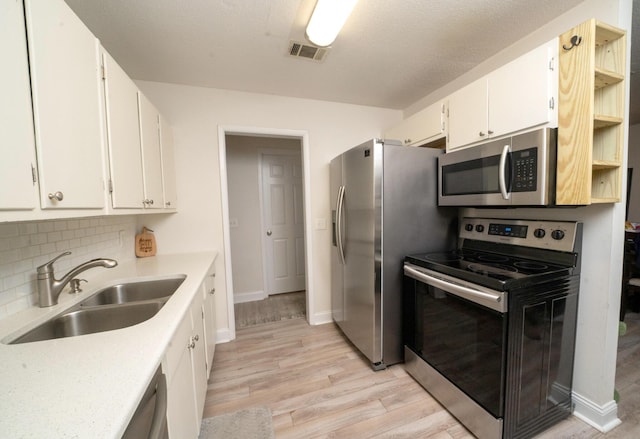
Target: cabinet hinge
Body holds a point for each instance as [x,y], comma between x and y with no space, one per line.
[34,176]
[110,186]
[102,74]
[552,64]
[552,103]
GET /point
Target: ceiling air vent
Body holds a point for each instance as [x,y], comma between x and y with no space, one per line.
[308,51]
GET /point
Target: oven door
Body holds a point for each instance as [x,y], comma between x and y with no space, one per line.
[459,330]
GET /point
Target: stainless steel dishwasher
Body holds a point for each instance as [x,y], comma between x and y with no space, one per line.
[150,419]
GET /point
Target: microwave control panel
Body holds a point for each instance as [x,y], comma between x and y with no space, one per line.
[525,170]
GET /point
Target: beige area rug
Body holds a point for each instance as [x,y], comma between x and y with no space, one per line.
[253,423]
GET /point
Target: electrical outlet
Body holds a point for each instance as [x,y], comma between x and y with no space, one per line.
[233,222]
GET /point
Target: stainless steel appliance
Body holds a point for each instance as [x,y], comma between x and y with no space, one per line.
[515,171]
[150,418]
[384,207]
[490,327]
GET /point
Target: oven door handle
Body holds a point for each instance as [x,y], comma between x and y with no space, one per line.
[501,177]
[492,300]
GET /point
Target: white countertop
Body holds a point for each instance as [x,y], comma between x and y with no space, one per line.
[90,385]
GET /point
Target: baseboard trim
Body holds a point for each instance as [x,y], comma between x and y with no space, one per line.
[320,318]
[250,296]
[603,417]
[223,335]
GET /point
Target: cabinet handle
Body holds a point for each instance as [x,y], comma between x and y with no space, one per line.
[196,337]
[57,196]
[151,202]
[490,132]
[212,291]
[407,140]
[192,344]
[481,134]
[168,203]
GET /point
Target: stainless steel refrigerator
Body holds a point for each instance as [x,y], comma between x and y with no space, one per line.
[384,207]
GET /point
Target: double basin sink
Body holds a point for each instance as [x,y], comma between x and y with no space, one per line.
[113,307]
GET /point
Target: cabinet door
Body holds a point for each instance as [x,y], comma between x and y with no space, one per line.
[168,166]
[520,92]
[151,155]
[425,125]
[182,419]
[468,115]
[123,136]
[208,290]
[17,147]
[66,87]
[198,356]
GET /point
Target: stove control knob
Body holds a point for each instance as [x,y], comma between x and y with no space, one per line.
[539,233]
[479,228]
[557,235]
[468,227]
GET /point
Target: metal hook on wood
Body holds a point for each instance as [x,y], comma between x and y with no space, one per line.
[575,41]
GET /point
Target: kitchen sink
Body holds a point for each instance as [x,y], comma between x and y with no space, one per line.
[114,307]
[135,291]
[80,321]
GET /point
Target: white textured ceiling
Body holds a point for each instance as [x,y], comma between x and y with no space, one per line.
[390,53]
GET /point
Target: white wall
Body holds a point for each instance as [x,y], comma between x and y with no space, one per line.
[243,162]
[196,113]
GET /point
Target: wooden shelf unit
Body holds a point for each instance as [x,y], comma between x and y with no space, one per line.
[590,114]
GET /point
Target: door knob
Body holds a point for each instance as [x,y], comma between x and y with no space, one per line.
[269,232]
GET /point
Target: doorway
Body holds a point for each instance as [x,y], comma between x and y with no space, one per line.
[267,167]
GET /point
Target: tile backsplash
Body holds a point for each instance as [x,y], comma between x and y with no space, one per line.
[26,245]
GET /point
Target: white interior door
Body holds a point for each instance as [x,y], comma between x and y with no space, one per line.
[283,221]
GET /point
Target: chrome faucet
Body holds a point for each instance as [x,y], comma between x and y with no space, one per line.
[49,288]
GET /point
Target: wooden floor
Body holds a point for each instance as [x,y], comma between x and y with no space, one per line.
[318,386]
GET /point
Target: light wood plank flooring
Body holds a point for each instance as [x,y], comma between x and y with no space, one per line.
[318,386]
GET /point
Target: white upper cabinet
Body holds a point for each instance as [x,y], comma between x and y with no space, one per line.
[516,97]
[424,126]
[66,88]
[17,167]
[468,114]
[151,154]
[523,93]
[168,166]
[123,136]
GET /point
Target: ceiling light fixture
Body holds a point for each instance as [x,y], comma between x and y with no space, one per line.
[327,19]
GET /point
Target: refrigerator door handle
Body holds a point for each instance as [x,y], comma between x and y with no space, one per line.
[339,206]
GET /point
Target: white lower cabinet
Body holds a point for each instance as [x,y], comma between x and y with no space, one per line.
[209,307]
[186,371]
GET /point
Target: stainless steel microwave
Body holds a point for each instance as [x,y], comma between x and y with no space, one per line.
[514,171]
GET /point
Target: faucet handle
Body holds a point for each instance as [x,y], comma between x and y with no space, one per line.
[48,267]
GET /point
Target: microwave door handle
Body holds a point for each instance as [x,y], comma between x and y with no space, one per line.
[339,207]
[501,177]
